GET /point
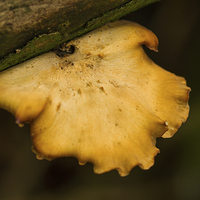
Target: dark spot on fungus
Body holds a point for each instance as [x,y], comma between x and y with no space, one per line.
[120,110]
[70,49]
[101,55]
[79,91]
[90,66]
[89,84]
[58,106]
[102,89]
[64,50]
[88,54]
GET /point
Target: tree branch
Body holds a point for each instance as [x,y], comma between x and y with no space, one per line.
[30,28]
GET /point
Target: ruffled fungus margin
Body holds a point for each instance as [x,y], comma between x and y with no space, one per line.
[98,98]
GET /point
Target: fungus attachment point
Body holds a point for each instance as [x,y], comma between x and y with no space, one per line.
[105,104]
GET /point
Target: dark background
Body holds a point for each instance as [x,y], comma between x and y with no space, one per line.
[176,173]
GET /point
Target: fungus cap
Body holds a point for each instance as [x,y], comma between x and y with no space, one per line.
[98,98]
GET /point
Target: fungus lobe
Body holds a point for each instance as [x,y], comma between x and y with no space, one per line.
[98,98]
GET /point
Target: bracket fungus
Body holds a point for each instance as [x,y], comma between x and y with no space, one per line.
[98,98]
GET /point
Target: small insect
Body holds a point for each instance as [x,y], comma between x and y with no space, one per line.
[64,50]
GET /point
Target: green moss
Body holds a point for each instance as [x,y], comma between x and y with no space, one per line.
[33,48]
[47,42]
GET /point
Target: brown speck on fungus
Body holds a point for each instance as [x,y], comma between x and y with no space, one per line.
[113,129]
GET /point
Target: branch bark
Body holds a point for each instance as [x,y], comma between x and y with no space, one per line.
[29,28]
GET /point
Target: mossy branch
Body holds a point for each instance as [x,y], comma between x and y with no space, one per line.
[30,28]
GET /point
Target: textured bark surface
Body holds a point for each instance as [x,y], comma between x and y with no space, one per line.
[29,28]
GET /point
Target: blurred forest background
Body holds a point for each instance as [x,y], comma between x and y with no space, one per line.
[176,173]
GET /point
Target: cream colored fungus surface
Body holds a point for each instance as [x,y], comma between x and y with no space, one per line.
[98,98]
